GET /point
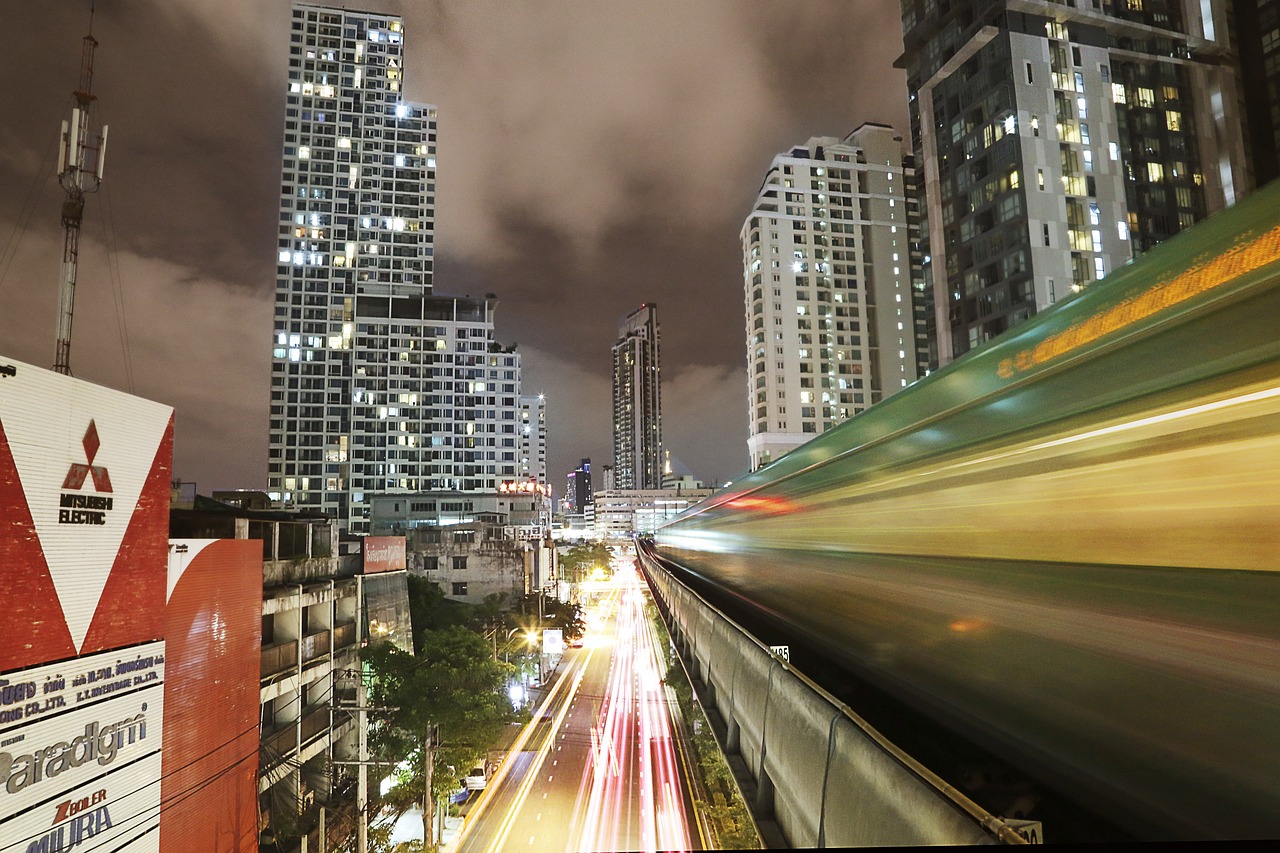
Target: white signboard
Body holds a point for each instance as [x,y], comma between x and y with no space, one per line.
[553,641]
[80,751]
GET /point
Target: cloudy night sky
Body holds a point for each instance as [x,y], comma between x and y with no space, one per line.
[593,155]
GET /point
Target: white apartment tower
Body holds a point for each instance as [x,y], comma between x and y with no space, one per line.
[533,438]
[834,289]
[376,384]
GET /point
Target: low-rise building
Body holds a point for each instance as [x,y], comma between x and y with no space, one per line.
[471,544]
[311,634]
[622,513]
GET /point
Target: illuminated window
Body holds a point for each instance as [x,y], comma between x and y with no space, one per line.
[1173,119]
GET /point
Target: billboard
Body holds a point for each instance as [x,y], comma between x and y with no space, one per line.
[213,630]
[80,754]
[84,497]
[383,554]
[84,492]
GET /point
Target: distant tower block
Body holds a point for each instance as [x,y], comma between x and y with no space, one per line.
[80,158]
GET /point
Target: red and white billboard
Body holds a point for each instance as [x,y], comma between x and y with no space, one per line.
[211,696]
[383,554]
[80,760]
[129,669]
[84,521]
[84,495]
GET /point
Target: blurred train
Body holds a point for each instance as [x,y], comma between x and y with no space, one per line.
[1066,543]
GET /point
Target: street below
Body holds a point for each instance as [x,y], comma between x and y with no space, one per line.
[600,767]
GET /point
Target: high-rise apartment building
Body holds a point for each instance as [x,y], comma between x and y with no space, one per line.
[1058,141]
[637,401]
[835,311]
[533,438]
[377,385]
[1257,45]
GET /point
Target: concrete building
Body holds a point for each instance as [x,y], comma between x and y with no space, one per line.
[623,513]
[533,438]
[1256,36]
[637,401]
[835,314]
[579,490]
[1058,140]
[312,630]
[377,385]
[472,545]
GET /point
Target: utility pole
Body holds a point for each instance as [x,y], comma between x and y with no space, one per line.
[80,159]
[428,800]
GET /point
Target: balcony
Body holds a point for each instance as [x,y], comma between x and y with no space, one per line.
[280,657]
[279,744]
[315,721]
[302,570]
[315,646]
[344,635]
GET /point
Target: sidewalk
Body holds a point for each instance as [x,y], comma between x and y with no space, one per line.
[409,828]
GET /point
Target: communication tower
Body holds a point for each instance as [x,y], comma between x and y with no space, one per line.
[80,158]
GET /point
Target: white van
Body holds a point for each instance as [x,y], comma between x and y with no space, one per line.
[476,779]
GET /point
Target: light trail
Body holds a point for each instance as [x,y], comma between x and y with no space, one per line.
[635,749]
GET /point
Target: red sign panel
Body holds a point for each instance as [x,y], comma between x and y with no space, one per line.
[383,554]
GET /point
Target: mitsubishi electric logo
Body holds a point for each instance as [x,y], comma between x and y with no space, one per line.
[86,509]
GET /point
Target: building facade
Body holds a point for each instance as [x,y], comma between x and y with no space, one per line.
[1257,45]
[1058,140]
[637,401]
[533,438]
[311,635]
[623,513]
[835,307]
[579,493]
[377,385]
[471,544]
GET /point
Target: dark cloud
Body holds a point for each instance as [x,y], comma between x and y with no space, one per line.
[593,156]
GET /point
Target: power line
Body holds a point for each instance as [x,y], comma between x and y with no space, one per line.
[39,181]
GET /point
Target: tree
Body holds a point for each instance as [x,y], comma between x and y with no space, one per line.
[577,563]
[552,613]
[450,704]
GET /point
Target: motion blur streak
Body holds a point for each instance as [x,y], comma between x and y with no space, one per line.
[1073,558]
[571,676]
[634,757]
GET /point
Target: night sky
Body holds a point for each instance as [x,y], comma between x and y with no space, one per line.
[592,155]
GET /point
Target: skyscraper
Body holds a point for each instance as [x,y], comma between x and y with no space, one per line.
[578,493]
[533,438]
[637,401]
[1257,45]
[835,310]
[1059,140]
[376,385]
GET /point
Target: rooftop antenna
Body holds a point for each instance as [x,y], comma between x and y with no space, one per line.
[80,158]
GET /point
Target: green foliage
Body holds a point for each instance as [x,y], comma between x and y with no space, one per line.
[577,562]
[453,688]
[566,616]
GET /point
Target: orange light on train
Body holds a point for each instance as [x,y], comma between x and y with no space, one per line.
[752,503]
